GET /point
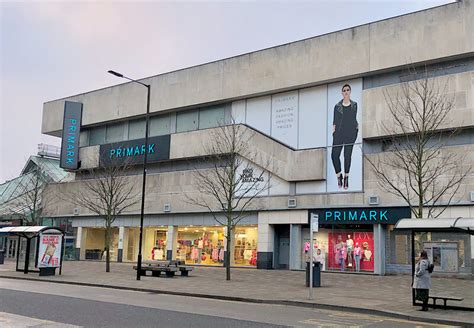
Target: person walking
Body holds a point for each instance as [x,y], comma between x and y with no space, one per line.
[344,131]
[422,280]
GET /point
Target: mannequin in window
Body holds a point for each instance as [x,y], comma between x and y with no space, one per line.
[341,253]
[367,251]
[321,258]
[357,256]
[350,247]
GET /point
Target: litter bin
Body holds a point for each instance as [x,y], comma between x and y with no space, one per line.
[316,274]
[2,256]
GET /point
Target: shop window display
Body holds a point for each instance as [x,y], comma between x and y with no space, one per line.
[158,252]
[351,251]
[245,246]
[95,244]
[342,250]
[201,245]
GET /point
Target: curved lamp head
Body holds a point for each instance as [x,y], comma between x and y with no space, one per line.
[115,73]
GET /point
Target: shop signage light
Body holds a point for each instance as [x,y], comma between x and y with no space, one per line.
[69,159]
[132,152]
[362,215]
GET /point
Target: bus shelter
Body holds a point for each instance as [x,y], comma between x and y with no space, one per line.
[40,247]
[426,225]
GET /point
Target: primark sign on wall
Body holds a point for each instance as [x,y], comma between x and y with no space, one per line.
[70,138]
[133,151]
[370,215]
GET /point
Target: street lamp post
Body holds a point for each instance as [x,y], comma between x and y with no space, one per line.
[142,211]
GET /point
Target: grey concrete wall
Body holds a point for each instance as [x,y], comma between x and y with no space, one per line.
[267,153]
[423,36]
[169,188]
[459,90]
[462,197]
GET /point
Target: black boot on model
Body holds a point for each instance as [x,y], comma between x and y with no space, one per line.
[346,182]
[339,180]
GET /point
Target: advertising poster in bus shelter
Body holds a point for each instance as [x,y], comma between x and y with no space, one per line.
[49,251]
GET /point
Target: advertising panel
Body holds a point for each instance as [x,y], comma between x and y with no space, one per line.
[285,117]
[344,161]
[49,251]
[70,138]
[251,180]
[444,255]
[327,116]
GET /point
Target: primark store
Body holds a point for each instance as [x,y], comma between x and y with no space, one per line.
[316,111]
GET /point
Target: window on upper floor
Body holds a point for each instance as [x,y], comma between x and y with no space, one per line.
[84,138]
[136,129]
[160,125]
[211,117]
[187,121]
[97,136]
[116,132]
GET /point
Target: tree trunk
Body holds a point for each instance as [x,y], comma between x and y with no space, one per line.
[228,251]
[107,249]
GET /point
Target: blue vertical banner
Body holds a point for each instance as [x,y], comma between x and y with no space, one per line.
[71,134]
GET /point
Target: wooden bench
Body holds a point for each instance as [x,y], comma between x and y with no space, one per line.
[157,270]
[445,299]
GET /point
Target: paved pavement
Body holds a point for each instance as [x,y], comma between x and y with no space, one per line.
[359,293]
[9,320]
[106,307]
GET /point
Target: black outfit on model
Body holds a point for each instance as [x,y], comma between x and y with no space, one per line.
[345,134]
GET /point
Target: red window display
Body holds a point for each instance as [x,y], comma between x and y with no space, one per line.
[351,251]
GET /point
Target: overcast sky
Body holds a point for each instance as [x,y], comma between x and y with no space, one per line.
[51,50]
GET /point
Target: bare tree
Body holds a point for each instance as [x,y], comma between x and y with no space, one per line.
[28,203]
[107,192]
[230,184]
[418,167]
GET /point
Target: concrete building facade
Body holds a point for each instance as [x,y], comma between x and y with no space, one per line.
[289,96]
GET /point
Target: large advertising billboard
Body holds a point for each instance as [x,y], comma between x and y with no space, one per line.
[344,148]
[49,251]
[327,116]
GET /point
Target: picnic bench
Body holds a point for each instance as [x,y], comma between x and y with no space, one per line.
[169,267]
[183,269]
[157,270]
[445,299]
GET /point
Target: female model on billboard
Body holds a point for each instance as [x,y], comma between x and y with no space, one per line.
[344,133]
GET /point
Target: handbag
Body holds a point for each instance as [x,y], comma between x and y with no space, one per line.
[430,268]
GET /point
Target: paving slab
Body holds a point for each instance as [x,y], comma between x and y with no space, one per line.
[369,293]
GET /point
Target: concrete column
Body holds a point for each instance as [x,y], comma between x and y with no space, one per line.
[265,245]
[472,254]
[8,247]
[171,243]
[77,254]
[125,244]
[379,251]
[82,250]
[296,243]
[120,244]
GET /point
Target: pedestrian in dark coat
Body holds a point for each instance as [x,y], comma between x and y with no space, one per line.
[422,280]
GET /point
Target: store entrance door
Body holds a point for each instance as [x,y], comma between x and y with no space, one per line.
[282,246]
